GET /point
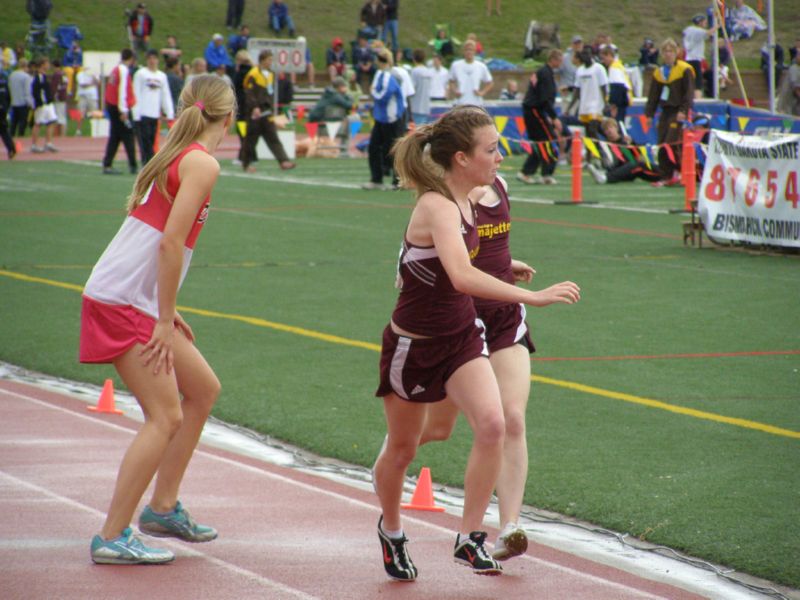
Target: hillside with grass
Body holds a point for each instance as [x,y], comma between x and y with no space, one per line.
[102,23]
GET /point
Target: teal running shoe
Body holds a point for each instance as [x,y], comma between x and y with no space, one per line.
[178,524]
[127,549]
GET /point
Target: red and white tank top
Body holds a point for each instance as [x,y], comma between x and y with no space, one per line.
[127,272]
[494,226]
[428,304]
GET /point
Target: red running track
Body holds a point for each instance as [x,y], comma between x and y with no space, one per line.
[283,533]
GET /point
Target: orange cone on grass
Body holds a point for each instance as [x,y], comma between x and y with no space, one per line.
[423,494]
[106,402]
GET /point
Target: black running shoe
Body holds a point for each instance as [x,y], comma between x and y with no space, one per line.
[396,560]
[471,553]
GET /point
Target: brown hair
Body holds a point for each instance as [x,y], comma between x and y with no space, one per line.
[423,155]
[206,99]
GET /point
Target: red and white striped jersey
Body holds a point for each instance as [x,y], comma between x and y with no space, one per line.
[127,272]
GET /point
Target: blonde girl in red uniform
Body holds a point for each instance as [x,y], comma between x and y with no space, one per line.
[433,346]
[129,319]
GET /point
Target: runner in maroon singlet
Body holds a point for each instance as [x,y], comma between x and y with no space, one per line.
[433,347]
[509,344]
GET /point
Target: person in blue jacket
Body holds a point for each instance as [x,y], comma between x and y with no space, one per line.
[280,18]
[387,110]
[216,54]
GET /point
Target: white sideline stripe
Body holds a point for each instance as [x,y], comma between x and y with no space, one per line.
[354,186]
[183,549]
[310,488]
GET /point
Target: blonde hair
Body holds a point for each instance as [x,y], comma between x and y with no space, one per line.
[206,99]
[422,157]
[669,43]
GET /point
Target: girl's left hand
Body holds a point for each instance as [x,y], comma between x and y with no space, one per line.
[522,271]
[183,327]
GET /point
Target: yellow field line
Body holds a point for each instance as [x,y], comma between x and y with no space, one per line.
[335,339]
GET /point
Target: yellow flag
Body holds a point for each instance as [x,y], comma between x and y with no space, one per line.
[241,127]
[743,121]
[591,147]
[643,150]
[500,123]
[504,141]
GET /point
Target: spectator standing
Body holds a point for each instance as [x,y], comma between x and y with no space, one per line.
[387,110]
[87,96]
[216,54]
[470,79]
[59,86]
[789,98]
[259,94]
[364,62]
[566,72]
[119,100]
[493,5]
[233,18]
[44,113]
[541,121]
[279,17]
[5,103]
[694,43]
[243,64]
[422,79]
[373,18]
[153,99]
[671,90]
[591,91]
[778,66]
[648,55]
[19,83]
[391,24]
[174,79]
[172,49]
[238,41]
[794,51]
[620,89]
[441,79]
[336,59]
[140,26]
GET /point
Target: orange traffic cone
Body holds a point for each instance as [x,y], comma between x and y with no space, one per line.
[106,402]
[423,494]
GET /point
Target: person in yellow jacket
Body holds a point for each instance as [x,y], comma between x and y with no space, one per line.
[672,90]
[260,112]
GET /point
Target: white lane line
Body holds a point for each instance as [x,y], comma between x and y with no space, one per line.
[340,497]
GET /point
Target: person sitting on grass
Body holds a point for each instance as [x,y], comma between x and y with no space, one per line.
[616,169]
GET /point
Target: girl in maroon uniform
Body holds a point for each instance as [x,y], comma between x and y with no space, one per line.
[509,344]
[433,347]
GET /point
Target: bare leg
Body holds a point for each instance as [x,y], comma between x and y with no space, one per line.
[404,421]
[200,387]
[440,419]
[157,394]
[474,390]
[512,368]
[35,135]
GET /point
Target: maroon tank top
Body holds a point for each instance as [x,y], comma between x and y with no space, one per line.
[428,304]
[494,225]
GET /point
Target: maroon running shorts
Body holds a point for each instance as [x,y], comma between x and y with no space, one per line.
[506,326]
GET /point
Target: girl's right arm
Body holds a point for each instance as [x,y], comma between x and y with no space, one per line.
[443,220]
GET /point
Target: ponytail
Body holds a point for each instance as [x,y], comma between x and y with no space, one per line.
[422,157]
[205,100]
[414,165]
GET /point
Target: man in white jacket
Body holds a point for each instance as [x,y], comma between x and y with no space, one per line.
[153,99]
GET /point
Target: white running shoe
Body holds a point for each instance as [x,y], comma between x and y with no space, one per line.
[598,174]
[529,179]
[511,542]
[549,180]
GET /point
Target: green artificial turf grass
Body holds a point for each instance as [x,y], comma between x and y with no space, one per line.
[323,259]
